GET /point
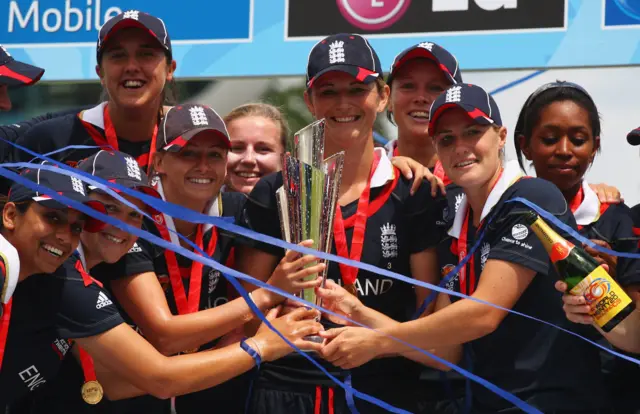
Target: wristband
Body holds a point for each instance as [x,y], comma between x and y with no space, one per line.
[255,354]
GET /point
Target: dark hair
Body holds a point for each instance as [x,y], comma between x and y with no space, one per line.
[546,95]
[22,207]
[262,110]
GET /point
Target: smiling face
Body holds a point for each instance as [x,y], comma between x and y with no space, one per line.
[349,107]
[562,145]
[197,172]
[134,68]
[110,244]
[44,237]
[469,152]
[415,86]
[256,146]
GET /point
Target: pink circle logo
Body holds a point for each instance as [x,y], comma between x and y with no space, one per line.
[373,14]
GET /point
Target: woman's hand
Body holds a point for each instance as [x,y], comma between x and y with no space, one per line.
[575,307]
[605,260]
[607,193]
[336,299]
[294,273]
[350,347]
[411,168]
[294,326]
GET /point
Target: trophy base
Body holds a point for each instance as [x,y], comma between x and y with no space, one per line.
[312,338]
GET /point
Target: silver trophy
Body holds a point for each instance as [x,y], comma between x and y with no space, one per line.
[309,193]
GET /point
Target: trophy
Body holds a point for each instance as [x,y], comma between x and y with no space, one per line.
[309,193]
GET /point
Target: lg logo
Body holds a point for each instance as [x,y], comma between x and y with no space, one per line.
[373,14]
[424,18]
[378,14]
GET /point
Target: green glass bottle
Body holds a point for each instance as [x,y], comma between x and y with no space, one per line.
[584,276]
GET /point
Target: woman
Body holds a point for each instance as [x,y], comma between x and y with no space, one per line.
[136,69]
[558,131]
[154,286]
[510,269]
[258,134]
[417,76]
[57,303]
[349,93]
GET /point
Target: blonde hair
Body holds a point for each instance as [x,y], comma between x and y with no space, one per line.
[263,110]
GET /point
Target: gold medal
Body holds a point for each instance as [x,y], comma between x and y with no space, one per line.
[92,392]
[351,288]
[191,351]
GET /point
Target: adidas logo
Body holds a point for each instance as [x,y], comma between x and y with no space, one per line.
[103,300]
[135,249]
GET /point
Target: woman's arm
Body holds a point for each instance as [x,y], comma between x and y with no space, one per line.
[452,354]
[144,300]
[128,355]
[501,283]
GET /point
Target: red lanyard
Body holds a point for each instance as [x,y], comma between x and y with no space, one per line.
[91,389]
[577,200]
[192,303]
[463,248]
[144,161]
[438,171]
[4,327]
[349,274]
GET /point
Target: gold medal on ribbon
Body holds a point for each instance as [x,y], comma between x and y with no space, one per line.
[92,392]
[351,288]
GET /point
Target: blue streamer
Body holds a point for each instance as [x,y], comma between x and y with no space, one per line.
[174,210]
[231,274]
[189,215]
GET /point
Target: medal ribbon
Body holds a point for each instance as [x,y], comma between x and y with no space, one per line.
[4,327]
[577,200]
[86,362]
[463,248]
[87,365]
[350,274]
[111,141]
[192,303]
[6,318]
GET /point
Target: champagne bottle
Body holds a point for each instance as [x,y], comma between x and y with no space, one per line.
[584,276]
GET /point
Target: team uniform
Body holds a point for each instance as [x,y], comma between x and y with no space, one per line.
[523,357]
[84,128]
[48,312]
[397,226]
[614,224]
[215,291]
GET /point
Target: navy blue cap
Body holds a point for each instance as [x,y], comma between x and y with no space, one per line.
[14,73]
[478,104]
[447,63]
[349,53]
[64,185]
[134,18]
[183,122]
[633,137]
[119,168]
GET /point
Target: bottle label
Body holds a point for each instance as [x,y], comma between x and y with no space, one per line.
[559,251]
[603,294]
[557,247]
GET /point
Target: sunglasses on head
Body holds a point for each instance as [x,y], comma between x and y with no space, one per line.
[548,86]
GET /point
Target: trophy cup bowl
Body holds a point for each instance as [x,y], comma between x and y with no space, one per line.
[309,194]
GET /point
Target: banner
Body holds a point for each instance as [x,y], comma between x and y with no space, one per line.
[222,38]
